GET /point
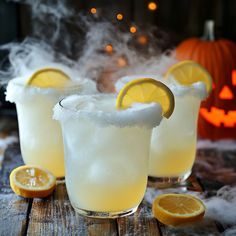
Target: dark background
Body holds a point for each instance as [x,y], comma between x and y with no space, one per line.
[179,19]
[182,18]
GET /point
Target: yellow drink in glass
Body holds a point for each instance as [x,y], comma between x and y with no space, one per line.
[40,136]
[173,144]
[106,153]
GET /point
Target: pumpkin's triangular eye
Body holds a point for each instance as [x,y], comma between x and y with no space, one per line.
[234,77]
[226,93]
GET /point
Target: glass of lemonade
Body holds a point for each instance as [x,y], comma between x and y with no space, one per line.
[40,136]
[106,153]
[173,143]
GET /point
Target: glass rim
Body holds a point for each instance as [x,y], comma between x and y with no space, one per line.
[111,95]
[147,115]
[72,86]
[179,90]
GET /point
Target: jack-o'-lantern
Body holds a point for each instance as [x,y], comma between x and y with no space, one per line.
[217,118]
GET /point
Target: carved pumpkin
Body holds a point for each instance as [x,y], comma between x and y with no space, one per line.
[217,118]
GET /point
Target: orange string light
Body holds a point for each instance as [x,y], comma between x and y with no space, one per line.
[133,29]
[109,48]
[142,39]
[152,6]
[93,10]
[119,16]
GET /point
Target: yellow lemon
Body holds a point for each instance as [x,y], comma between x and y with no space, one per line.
[146,90]
[189,72]
[49,78]
[177,209]
[31,181]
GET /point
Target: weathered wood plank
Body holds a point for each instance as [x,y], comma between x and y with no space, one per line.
[141,223]
[215,168]
[13,214]
[12,159]
[13,209]
[55,216]
[204,228]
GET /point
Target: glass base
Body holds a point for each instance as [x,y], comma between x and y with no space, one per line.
[60,179]
[168,182]
[104,215]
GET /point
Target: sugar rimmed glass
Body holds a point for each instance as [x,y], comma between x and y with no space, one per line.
[40,136]
[106,154]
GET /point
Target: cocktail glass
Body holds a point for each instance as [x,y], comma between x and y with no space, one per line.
[173,143]
[106,153]
[40,136]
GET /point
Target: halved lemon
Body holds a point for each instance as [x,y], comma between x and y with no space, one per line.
[177,209]
[49,78]
[31,181]
[146,90]
[189,72]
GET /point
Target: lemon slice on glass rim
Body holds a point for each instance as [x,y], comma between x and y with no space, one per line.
[177,209]
[189,72]
[49,78]
[146,90]
[31,181]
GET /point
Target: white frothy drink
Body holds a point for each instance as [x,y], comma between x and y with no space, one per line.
[40,136]
[173,142]
[106,153]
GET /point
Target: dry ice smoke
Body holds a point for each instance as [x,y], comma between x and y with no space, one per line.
[63,37]
[31,55]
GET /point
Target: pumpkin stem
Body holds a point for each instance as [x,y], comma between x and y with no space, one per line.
[209,30]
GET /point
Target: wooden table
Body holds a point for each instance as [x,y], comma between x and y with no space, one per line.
[55,216]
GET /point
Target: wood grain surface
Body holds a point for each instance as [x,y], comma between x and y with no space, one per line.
[14,210]
[55,216]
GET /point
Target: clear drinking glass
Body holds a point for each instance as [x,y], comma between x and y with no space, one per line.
[40,136]
[173,143]
[106,153]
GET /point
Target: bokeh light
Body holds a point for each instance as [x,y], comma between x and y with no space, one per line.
[119,16]
[142,39]
[109,48]
[133,29]
[121,61]
[93,10]
[152,6]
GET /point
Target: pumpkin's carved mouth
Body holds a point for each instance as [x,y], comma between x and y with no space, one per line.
[219,117]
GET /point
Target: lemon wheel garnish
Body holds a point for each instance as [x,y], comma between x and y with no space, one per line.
[49,78]
[177,209]
[146,90]
[189,72]
[31,181]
